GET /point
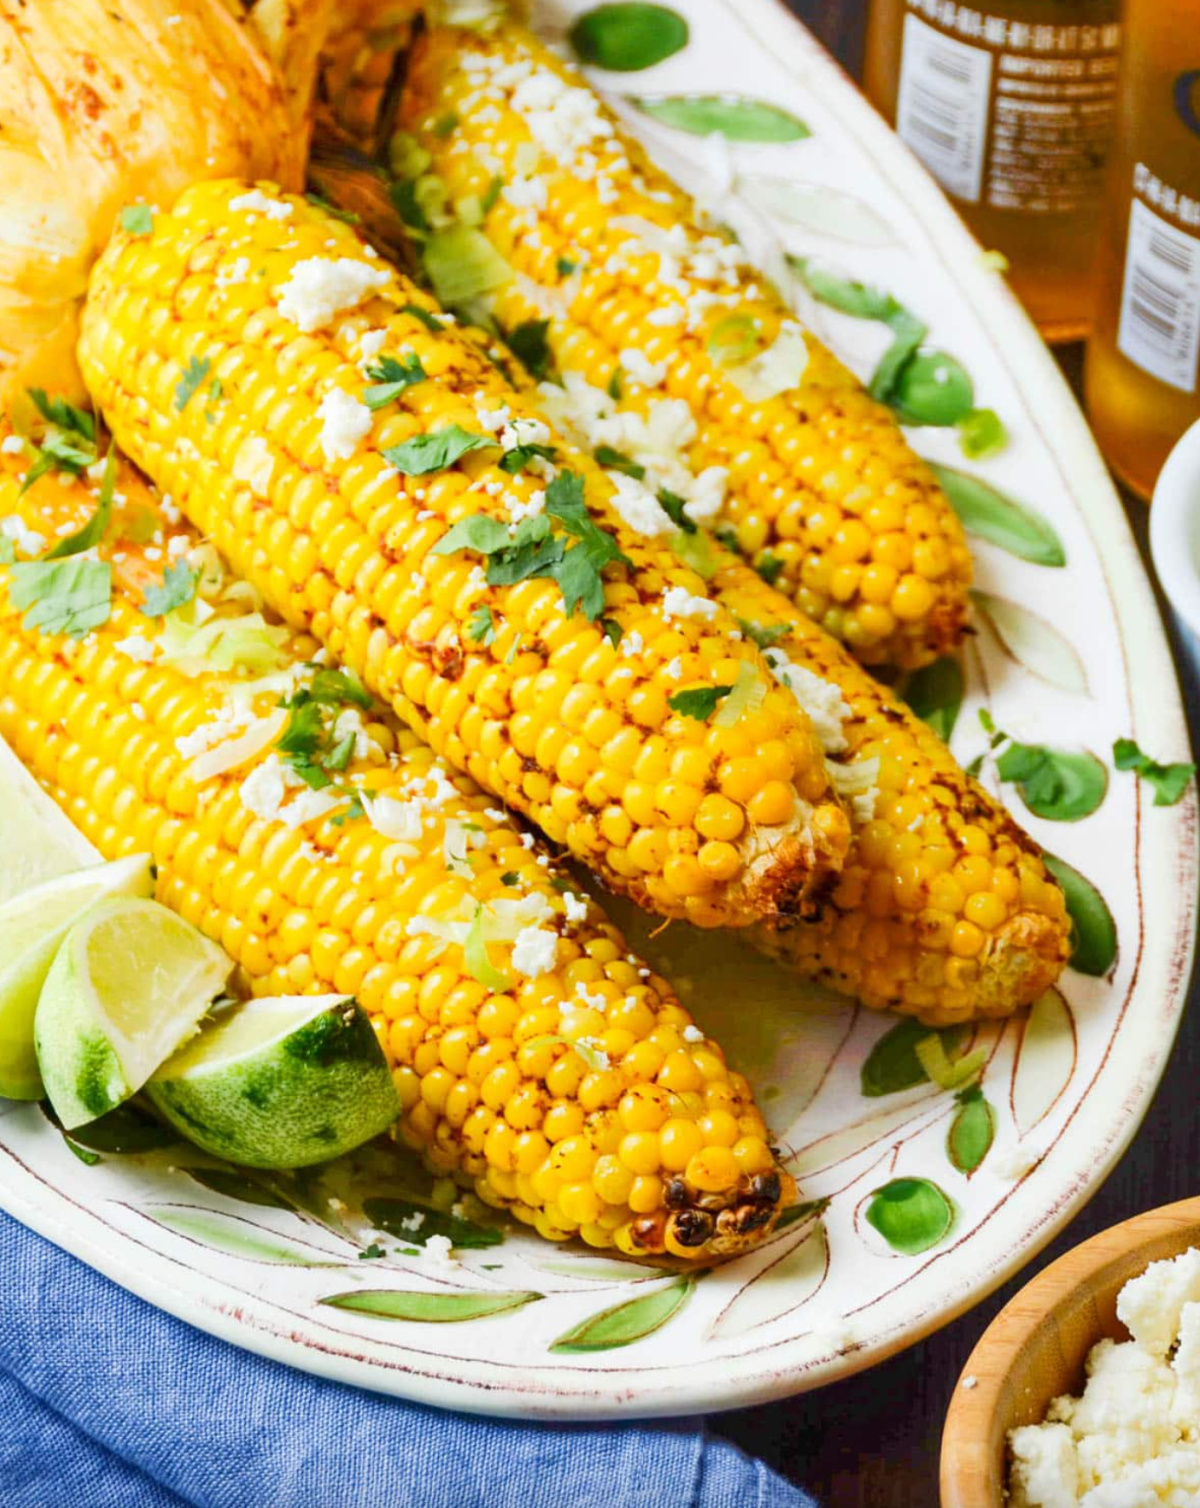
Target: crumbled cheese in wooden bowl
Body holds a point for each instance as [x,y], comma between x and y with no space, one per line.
[1133,1439]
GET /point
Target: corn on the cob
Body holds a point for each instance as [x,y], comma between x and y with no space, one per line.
[944,908]
[538,1061]
[190,344]
[823,490]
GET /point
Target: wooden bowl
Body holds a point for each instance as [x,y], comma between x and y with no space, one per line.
[1036,1346]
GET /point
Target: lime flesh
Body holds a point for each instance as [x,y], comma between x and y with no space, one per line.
[32,928]
[128,986]
[280,1082]
[40,840]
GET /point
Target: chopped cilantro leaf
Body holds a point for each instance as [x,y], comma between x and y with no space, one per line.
[305,729]
[390,377]
[481,628]
[479,532]
[1169,781]
[724,535]
[699,702]
[65,415]
[519,457]
[193,375]
[566,267]
[612,631]
[673,506]
[332,688]
[58,453]
[97,526]
[319,201]
[215,389]
[341,753]
[763,636]
[370,1253]
[578,573]
[177,587]
[532,550]
[510,877]
[430,321]
[529,344]
[444,124]
[617,460]
[490,195]
[975,766]
[69,596]
[614,385]
[137,219]
[769,568]
[434,452]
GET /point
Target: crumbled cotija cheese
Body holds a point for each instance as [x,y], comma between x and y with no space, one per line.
[1133,1439]
[344,422]
[258,203]
[320,287]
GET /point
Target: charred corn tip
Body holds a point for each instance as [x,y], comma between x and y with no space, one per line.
[823,492]
[943,908]
[536,1059]
[272,306]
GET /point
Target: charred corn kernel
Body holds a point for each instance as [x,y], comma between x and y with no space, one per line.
[378,589]
[938,874]
[821,480]
[572,1146]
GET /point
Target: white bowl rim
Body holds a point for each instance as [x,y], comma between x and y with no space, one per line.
[1174,520]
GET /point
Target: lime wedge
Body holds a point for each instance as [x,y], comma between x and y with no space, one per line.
[32,927]
[280,1083]
[128,986]
[40,841]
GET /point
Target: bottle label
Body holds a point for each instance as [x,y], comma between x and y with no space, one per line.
[1159,329]
[1005,113]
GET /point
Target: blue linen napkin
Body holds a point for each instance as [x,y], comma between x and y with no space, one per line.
[107,1402]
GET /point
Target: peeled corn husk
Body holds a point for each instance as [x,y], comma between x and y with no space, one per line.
[107,102]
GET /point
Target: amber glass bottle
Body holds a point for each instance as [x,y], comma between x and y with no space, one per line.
[1142,378]
[1010,104]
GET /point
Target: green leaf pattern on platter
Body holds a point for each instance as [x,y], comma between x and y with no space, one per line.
[971,1132]
[892,1064]
[911,1214]
[935,694]
[736,118]
[622,1324]
[625,38]
[987,513]
[1093,930]
[1032,642]
[431,1308]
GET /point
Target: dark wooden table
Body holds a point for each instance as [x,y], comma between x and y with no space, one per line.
[873,1441]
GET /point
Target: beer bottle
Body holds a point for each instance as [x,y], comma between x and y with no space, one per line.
[1141,379]
[1010,104]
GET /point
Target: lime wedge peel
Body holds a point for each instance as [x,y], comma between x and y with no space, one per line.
[280,1082]
[129,984]
[32,928]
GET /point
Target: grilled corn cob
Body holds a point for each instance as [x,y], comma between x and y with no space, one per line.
[943,908]
[538,1061]
[224,348]
[823,490]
